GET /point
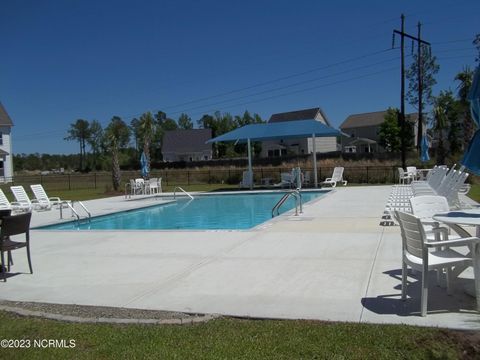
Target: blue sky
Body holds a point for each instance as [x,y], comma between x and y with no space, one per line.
[64,60]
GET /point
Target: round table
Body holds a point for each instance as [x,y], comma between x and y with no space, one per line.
[467,217]
[461,217]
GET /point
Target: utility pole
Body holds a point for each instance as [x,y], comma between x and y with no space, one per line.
[402,84]
[420,91]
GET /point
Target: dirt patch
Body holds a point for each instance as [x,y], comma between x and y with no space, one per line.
[98,312]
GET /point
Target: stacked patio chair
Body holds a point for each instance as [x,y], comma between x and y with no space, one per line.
[440,181]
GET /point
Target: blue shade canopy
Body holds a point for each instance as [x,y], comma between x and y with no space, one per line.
[471,159]
[424,156]
[278,130]
[144,165]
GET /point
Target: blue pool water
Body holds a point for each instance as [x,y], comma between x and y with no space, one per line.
[239,211]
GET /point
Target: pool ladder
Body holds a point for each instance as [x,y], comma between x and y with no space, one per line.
[296,194]
[71,205]
[182,190]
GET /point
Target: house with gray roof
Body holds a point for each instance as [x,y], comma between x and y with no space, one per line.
[187,145]
[363,131]
[283,147]
[6,155]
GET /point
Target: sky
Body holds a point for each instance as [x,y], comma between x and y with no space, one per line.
[65,60]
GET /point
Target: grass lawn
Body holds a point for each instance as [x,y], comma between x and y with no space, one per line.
[474,192]
[237,339]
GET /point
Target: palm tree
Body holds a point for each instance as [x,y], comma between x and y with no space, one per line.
[148,128]
[80,131]
[465,77]
[117,135]
[95,141]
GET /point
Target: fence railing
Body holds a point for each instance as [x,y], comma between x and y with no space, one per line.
[173,177]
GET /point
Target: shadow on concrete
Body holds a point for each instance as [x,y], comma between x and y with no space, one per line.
[438,299]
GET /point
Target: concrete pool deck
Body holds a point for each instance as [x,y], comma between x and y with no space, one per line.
[334,262]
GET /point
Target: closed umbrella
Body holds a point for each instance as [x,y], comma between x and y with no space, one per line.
[424,156]
[144,165]
[471,159]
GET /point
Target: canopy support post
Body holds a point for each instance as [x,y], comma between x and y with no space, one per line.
[250,171]
[314,148]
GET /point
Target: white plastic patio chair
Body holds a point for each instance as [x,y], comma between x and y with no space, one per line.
[337,176]
[403,176]
[153,186]
[139,186]
[42,198]
[412,172]
[416,254]
[14,206]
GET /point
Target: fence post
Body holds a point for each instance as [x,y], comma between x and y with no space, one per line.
[188,177]
[209,177]
[95,180]
[367,175]
[41,179]
[69,183]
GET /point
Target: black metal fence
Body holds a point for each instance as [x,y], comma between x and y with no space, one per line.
[103,180]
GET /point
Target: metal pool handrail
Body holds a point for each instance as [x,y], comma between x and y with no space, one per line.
[179,188]
[298,202]
[70,204]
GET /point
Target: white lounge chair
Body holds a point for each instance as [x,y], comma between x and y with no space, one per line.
[416,254]
[42,198]
[337,176]
[14,206]
[23,199]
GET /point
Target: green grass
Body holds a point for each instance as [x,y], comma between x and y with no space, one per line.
[231,339]
[474,192]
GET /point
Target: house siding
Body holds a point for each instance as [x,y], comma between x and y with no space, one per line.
[7,159]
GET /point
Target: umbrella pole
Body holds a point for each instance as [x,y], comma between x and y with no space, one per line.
[314,148]
[250,171]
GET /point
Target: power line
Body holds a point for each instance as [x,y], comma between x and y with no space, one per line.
[304,90]
[285,87]
[268,82]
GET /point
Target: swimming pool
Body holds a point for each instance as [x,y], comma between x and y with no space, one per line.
[207,212]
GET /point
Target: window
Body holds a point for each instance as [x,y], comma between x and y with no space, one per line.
[1,138]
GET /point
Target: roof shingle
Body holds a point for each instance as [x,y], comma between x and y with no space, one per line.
[370,119]
[306,114]
[185,141]
[4,118]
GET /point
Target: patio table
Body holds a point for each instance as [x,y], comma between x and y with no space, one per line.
[466,217]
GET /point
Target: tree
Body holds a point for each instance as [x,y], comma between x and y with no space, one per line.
[185,122]
[465,78]
[439,119]
[429,69]
[117,136]
[169,124]
[80,131]
[446,125]
[95,141]
[148,128]
[137,134]
[389,132]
